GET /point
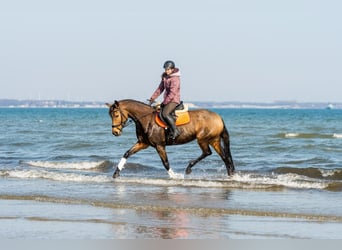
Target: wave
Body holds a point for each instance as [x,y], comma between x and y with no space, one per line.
[83,165]
[100,171]
[55,176]
[310,135]
[279,179]
[239,181]
[317,173]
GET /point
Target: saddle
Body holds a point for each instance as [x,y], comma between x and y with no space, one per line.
[180,114]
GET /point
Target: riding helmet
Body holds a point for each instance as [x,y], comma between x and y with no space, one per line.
[169,65]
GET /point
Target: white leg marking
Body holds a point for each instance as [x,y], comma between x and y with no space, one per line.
[122,163]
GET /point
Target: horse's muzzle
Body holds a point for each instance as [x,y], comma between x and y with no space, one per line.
[116,133]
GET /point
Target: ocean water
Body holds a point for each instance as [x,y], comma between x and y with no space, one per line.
[56,169]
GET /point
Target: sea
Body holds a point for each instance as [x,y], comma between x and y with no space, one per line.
[56,167]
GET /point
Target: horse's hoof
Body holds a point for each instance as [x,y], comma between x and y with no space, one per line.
[230,173]
[116,174]
[188,171]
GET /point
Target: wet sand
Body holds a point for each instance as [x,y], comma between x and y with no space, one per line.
[32,219]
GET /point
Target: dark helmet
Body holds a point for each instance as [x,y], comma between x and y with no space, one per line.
[169,65]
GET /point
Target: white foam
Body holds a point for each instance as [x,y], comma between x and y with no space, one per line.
[329,172]
[42,174]
[239,180]
[173,182]
[174,175]
[289,135]
[85,165]
[339,136]
[286,180]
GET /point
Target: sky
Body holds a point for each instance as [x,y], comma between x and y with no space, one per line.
[226,50]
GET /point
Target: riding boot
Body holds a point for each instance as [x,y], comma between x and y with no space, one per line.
[174,130]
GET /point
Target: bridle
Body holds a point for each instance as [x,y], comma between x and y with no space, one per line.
[122,117]
[127,122]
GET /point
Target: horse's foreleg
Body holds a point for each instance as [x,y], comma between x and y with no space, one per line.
[136,148]
[205,152]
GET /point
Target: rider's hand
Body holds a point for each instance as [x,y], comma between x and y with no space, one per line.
[151,101]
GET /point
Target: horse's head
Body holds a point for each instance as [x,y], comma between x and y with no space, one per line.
[119,118]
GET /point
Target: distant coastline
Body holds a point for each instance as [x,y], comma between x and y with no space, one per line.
[13,103]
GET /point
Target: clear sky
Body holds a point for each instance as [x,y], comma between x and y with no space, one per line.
[227,50]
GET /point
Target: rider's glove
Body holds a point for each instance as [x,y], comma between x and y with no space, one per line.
[151,101]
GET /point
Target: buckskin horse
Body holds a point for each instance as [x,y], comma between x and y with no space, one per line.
[204,125]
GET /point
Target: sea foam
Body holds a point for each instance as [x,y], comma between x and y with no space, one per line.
[82,165]
[339,136]
[239,180]
[290,135]
[55,176]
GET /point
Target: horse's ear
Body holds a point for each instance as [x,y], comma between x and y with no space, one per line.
[108,104]
[116,103]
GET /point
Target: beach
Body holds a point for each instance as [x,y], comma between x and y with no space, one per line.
[56,169]
[47,218]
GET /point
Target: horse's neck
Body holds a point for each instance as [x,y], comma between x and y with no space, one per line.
[137,110]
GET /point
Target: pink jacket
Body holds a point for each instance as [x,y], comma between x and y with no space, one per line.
[171,85]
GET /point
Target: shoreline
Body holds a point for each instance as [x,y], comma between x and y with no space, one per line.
[200,211]
[90,221]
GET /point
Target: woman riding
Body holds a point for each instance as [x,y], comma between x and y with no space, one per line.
[170,83]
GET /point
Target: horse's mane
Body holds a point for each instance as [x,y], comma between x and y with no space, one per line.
[135,101]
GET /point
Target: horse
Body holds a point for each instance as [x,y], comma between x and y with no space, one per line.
[206,126]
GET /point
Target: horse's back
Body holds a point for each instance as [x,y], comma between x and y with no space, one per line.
[204,118]
[204,114]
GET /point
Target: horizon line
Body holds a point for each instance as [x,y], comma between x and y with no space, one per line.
[207,101]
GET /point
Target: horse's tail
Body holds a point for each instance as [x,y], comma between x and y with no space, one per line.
[226,148]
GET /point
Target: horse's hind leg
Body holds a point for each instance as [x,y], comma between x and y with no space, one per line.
[227,160]
[205,152]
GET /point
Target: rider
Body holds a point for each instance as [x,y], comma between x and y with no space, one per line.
[170,83]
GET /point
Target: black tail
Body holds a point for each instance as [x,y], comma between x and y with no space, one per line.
[226,148]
